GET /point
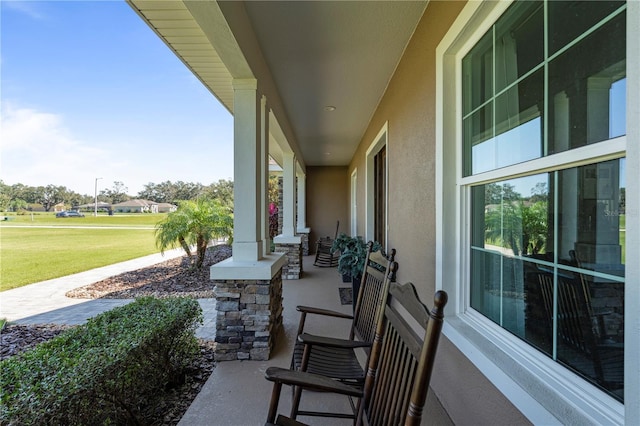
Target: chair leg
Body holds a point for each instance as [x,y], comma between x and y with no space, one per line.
[275,399]
[297,390]
[295,403]
[358,420]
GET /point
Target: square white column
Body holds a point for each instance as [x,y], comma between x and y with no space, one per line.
[248,165]
[264,176]
[289,195]
[302,202]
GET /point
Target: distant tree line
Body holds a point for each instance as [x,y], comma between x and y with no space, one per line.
[172,192]
[20,197]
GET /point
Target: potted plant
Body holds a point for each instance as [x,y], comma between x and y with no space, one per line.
[344,245]
[353,253]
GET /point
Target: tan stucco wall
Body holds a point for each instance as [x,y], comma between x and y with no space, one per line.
[408,107]
[327,202]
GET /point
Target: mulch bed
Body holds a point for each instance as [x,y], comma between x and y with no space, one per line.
[173,277]
[18,338]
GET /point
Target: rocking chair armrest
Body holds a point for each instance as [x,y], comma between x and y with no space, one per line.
[320,311]
[311,339]
[310,381]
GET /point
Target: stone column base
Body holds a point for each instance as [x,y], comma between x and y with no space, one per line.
[304,234]
[293,269]
[249,317]
[291,247]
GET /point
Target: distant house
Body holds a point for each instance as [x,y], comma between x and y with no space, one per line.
[136,206]
[91,206]
[166,207]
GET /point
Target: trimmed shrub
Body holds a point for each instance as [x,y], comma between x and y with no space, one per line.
[107,371]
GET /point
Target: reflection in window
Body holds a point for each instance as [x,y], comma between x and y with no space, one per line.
[514,146]
[519,46]
[547,264]
[516,133]
[478,74]
[570,19]
[505,75]
[586,104]
[592,217]
[617,109]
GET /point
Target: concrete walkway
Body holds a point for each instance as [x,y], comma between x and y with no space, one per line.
[45,302]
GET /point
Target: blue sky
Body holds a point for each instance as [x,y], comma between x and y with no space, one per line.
[88,90]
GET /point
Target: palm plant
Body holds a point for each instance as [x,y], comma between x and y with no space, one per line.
[518,226]
[194,224]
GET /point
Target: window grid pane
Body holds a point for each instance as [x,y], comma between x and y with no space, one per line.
[547,264]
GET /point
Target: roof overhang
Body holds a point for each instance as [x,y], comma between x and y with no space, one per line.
[323,65]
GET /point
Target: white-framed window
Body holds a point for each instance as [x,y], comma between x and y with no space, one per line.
[532,147]
[376,188]
[354,203]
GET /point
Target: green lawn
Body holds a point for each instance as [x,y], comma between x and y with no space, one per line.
[33,254]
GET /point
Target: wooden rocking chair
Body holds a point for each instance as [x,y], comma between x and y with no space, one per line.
[399,368]
[318,354]
[325,258]
[581,329]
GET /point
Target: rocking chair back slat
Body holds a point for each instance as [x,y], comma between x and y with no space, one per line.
[391,395]
[401,362]
[372,296]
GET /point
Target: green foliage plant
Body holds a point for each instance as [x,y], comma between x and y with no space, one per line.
[194,223]
[519,226]
[110,370]
[353,253]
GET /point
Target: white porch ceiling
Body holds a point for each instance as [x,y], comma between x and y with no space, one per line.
[306,55]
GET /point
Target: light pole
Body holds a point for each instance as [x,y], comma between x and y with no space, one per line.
[95,198]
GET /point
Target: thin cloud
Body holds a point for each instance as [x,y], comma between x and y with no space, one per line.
[38,149]
[31,9]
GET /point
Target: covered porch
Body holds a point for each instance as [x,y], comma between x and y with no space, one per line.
[309,123]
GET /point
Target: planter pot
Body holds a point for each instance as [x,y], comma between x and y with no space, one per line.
[346,278]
